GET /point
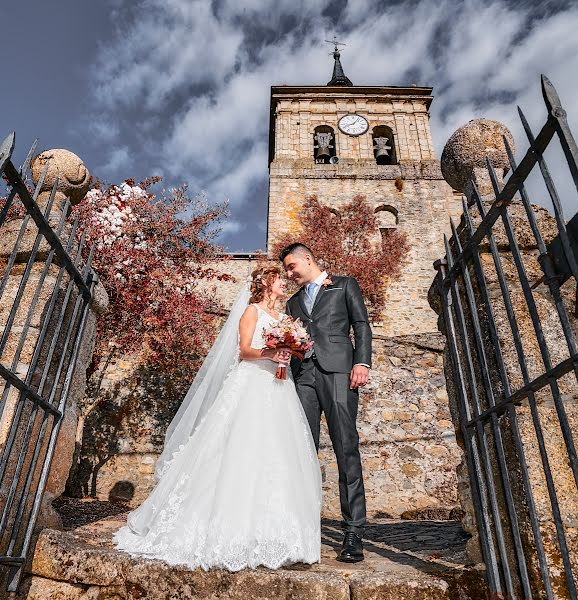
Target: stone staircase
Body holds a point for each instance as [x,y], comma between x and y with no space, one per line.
[409,560]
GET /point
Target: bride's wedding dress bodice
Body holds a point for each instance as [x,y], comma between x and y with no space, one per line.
[264,320]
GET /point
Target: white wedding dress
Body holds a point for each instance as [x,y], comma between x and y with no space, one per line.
[245,489]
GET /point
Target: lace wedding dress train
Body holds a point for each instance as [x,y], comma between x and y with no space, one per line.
[245,489]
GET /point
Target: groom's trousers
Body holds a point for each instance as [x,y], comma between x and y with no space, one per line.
[321,391]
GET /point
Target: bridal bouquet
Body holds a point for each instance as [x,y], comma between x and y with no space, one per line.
[289,334]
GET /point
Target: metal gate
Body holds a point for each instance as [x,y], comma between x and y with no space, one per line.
[45,293]
[515,478]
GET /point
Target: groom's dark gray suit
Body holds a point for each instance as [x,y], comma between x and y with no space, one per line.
[322,381]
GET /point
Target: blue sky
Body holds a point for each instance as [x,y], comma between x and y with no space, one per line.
[180,88]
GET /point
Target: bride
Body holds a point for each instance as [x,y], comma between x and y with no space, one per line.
[238,481]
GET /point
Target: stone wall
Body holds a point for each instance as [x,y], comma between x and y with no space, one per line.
[406,436]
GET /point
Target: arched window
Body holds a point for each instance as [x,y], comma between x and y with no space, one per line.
[323,144]
[383,145]
[387,219]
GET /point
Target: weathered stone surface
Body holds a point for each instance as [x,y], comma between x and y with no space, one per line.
[417,561]
[48,589]
[464,155]
[73,176]
[61,556]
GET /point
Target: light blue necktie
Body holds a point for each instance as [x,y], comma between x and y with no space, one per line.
[310,295]
[310,289]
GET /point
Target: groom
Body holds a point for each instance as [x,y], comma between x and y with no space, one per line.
[329,377]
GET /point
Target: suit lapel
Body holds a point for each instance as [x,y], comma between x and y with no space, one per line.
[300,296]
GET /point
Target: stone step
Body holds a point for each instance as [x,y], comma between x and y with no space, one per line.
[418,560]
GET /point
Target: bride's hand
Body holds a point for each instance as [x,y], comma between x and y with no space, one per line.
[278,356]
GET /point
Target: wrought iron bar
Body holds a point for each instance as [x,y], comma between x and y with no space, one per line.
[35,297]
[21,233]
[25,389]
[533,386]
[551,277]
[496,345]
[497,434]
[558,116]
[26,274]
[6,150]
[531,398]
[42,224]
[25,386]
[32,417]
[544,351]
[564,425]
[40,404]
[40,437]
[6,207]
[479,430]
[477,484]
[14,577]
[26,164]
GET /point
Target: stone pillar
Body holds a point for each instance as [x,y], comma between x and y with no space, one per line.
[464,160]
[73,183]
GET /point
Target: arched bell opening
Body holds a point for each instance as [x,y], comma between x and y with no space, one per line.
[383,145]
[323,144]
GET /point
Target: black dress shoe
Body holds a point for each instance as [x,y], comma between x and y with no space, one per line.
[352,548]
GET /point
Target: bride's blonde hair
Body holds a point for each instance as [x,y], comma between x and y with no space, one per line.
[261,279]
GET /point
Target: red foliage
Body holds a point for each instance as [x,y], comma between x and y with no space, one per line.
[151,254]
[345,242]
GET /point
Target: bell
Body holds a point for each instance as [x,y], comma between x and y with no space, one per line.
[323,152]
[382,149]
[323,146]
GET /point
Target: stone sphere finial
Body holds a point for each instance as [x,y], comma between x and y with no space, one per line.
[73,176]
[464,155]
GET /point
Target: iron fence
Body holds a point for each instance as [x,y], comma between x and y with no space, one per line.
[45,293]
[500,400]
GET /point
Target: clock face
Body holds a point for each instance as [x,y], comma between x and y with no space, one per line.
[353,124]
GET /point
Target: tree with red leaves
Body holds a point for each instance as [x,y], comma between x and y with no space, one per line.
[151,254]
[344,242]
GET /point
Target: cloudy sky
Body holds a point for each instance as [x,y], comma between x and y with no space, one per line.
[180,88]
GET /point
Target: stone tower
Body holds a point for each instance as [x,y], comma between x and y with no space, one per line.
[340,140]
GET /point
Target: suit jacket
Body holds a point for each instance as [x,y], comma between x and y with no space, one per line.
[338,308]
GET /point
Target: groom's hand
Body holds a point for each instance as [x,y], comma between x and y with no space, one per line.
[359,376]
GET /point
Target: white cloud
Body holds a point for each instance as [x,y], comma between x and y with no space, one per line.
[119,158]
[203,71]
